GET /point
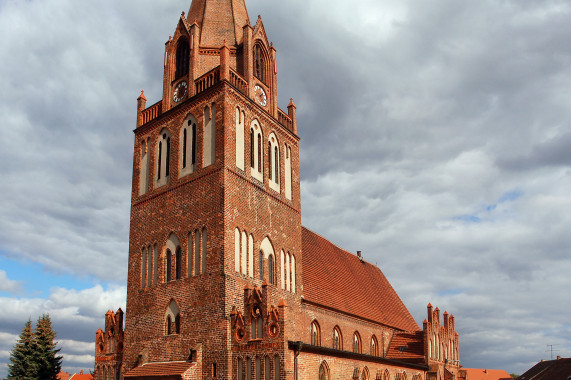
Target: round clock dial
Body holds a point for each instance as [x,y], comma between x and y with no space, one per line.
[180,91]
[260,96]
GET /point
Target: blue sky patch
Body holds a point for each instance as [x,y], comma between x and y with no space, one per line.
[36,281]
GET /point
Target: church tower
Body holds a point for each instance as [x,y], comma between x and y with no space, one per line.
[215,215]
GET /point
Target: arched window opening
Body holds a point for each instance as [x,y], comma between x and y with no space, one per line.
[271,271]
[324,371]
[240,369]
[267,372]
[143,268]
[182,58]
[184,147]
[261,269]
[178,264]
[237,250]
[270,166]
[276,165]
[189,256]
[150,266]
[259,153]
[258,368]
[259,63]
[172,320]
[277,368]
[167,163]
[292,262]
[315,334]
[169,322]
[163,158]
[252,153]
[169,265]
[356,343]
[337,339]
[374,346]
[248,369]
[365,374]
[203,253]
[196,252]
[160,160]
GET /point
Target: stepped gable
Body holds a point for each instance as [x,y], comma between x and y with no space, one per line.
[220,21]
[407,347]
[337,279]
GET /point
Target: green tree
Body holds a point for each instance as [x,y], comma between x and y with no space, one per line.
[35,355]
[23,364]
[49,363]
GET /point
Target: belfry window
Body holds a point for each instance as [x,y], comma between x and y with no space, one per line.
[182,58]
[259,63]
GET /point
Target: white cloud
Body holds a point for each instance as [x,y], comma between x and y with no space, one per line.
[7,285]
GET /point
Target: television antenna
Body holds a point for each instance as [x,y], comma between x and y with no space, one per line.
[550,349]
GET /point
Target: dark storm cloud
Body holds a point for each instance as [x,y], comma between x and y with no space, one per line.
[418,120]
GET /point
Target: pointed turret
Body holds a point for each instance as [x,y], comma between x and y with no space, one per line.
[219,20]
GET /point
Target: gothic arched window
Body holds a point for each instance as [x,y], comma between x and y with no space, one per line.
[324,371]
[178,264]
[337,339]
[261,265]
[356,343]
[163,158]
[271,270]
[260,62]
[374,346]
[188,146]
[172,320]
[168,269]
[315,334]
[182,58]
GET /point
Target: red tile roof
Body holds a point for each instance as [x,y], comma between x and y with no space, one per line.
[407,347]
[559,369]
[63,375]
[487,374]
[160,369]
[335,278]
[81,376]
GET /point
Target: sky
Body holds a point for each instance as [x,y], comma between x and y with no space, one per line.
[435,138]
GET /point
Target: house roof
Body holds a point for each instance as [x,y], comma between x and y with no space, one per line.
[559,369]
[160,369]
[63,376]
[486,374]
[81,376]
[407,347]
[337,279]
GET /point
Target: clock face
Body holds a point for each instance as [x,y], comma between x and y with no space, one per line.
[180,91]
[260,96]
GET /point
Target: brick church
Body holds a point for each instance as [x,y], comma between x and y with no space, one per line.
[223,281]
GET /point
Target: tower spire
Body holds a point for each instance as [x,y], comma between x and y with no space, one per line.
[219,20]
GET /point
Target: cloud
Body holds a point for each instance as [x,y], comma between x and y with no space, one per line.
[7,285]
[75,315]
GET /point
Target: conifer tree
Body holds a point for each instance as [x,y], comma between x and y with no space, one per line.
[49,363]
[23,361]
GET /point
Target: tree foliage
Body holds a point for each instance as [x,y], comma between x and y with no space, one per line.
[35,355]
